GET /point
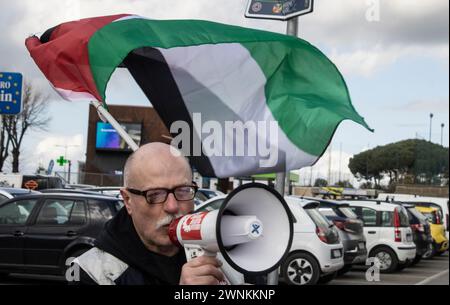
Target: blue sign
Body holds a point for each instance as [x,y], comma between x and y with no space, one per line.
[10,93]
[50,167]
[278,9]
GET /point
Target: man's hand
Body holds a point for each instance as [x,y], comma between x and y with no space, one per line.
[202,270]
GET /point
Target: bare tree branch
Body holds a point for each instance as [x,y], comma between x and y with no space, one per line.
[33,116]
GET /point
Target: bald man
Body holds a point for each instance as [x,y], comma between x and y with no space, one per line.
[134,248]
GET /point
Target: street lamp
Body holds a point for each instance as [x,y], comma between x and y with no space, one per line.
[442,134]
[431,119]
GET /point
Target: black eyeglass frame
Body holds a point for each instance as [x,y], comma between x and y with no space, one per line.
[168,191]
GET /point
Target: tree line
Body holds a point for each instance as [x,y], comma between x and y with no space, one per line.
[13,128]
[410,161]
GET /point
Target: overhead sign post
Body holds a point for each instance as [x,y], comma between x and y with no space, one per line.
[284,10]
[10,93]
[278,9]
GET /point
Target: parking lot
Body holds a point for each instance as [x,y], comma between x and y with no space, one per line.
[426,272]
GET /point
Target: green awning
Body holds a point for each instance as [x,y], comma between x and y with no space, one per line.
[292,177]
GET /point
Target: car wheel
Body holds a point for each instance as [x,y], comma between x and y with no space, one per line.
[327,278]
[344,270]
[430,252]
[388,259]
[301,269]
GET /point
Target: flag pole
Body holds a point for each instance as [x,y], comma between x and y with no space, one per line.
[292,30]
[105,115]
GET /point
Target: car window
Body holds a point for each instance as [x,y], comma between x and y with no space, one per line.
[328,212]
[3,198]
[100,209]
[78,214]
[404,219]
[348,212]
[318,218]
[118,204]
[55,212]
[17,212]
[387,219]
[431,217]
[369,217]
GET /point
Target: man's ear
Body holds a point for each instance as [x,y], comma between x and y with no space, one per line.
[126,199]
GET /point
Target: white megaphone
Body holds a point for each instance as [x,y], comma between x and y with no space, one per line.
[252,230]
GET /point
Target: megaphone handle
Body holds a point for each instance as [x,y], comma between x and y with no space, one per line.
[230,279]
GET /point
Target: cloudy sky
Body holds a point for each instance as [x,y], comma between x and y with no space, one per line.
[394,55]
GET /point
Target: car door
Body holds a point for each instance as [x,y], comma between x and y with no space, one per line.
[371,230]
[14,217]
[59,222]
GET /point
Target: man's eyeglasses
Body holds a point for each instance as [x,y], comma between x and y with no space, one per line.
[159,195]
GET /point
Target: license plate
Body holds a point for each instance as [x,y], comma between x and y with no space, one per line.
[361,246]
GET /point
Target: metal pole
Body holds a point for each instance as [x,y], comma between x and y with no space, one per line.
[431,119]
[442,134]
[292,30]
[125,136]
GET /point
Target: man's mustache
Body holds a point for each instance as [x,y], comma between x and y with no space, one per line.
[167,220]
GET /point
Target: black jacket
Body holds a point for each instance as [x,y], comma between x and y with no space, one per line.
[121,258]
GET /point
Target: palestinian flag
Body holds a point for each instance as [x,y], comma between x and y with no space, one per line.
[282,96]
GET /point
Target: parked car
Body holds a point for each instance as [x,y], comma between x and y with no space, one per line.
[388,233]
[440,241]
[210,193]
[69,191]
[431,202]
[105,190]
[316,253]
[351,231]
[421,233]
[7,193]
[40,231]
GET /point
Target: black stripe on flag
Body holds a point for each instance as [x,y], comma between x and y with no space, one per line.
[152,73]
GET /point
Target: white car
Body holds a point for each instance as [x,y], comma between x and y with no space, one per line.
[316,253]
[388,233]
[434,202]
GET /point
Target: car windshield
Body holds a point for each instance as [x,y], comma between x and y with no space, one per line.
[328,212]
[431,216]
[417,214]
[404,220]
[318,218]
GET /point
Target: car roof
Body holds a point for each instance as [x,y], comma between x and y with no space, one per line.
[207,202]
[338,203]
[67,195]
[302,201]
[373,204]
[13,190]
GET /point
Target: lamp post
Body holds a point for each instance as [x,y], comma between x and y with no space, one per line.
[431,120]
[442,134]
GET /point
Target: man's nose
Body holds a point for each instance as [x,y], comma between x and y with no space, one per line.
[171,204]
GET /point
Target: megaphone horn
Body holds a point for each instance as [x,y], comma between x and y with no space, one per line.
[252,230]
